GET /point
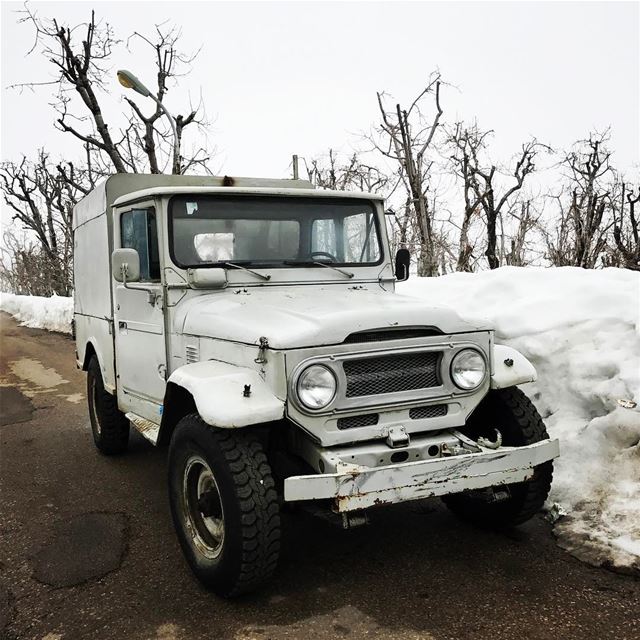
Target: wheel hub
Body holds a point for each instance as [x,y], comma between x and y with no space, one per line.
[203,507]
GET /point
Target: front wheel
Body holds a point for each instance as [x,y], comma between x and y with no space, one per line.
[224,506]
[514,415]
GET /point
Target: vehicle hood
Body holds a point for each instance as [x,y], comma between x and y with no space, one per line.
[309,316]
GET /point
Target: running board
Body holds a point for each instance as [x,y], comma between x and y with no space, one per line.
[148,429]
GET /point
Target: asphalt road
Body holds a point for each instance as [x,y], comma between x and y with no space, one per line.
[87,548]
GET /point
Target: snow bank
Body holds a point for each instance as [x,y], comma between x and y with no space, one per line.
[581,329]
[53,314]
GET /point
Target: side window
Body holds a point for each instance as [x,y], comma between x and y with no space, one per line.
[138,231]
[360,240]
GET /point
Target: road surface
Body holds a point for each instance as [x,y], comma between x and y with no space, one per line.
[87,548]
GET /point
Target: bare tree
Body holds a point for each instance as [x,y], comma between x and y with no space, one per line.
[167,58]
[518,252]
[481,183]
[82,70]
[626,231]
[41,197]
[405,136]
[42,194]
[350,175]
[580,236]
[466,143]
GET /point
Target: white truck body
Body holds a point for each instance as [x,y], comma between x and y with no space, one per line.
[205,336]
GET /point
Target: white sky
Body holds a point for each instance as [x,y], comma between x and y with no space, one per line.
[283,78]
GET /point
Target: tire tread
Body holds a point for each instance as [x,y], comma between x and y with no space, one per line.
[114,425]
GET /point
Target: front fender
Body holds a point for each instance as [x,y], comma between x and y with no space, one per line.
[218,390]
[510,367]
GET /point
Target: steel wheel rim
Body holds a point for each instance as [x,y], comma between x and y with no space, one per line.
[203,507]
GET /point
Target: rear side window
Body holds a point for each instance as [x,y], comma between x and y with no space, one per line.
[138,231]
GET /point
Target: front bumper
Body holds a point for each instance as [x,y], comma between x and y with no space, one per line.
[355,487]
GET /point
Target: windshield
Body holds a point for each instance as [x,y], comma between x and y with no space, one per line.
[272,231]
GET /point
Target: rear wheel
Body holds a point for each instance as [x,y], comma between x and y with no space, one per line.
[109,425]
[514,415]
[224,506]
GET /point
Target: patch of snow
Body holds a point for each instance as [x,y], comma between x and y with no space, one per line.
[54,313]
[581,330]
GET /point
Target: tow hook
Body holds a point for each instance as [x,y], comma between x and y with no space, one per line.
[397,437]
[489,444]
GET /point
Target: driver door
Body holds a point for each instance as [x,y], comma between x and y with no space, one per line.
[139,319]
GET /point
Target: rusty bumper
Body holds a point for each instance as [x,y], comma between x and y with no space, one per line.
[361,487]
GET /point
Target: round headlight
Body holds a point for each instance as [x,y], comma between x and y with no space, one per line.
[468,369]
[316,386]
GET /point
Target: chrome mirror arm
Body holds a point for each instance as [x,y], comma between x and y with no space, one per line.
[151,293]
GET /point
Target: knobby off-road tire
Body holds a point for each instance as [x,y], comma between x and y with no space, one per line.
[109,425]
[224,506]
[513,414]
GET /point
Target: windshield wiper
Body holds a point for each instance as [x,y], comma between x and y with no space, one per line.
[309,263]
[235,265]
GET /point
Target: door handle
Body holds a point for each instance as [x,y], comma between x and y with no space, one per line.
[122,325]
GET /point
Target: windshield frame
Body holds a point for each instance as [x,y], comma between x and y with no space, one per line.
[284,263]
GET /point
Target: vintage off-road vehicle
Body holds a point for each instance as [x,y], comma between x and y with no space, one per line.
[252,326]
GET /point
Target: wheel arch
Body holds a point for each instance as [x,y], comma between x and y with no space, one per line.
[178,403]
[89,352]
[224,396]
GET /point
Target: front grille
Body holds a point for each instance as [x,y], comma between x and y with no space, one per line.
[392,373]
[433,411]
[353,422]
[378,335]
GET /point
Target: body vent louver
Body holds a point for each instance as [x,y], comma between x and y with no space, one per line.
[192,353]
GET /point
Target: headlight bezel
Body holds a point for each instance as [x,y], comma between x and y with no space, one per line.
[300,378]
[485,369]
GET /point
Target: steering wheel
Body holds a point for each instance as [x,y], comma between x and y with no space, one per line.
[326,254]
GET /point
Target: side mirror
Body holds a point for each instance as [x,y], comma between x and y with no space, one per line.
[125,265]
[403,261]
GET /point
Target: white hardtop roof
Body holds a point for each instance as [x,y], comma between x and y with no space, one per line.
[145,194]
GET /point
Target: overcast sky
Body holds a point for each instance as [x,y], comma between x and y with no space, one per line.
[283,78]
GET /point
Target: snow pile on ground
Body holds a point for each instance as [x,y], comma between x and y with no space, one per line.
[54,313]
[581,330]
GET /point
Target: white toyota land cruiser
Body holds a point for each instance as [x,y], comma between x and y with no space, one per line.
[252,326]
